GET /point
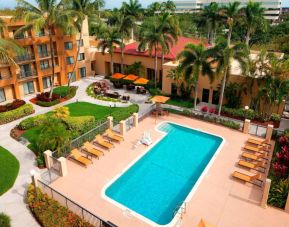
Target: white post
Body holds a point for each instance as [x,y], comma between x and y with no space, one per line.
[266,193]
[246,127]
[63,166]
[34,178]
[47,154]
[110,122]
[135,119]
[269,133]
[122,125]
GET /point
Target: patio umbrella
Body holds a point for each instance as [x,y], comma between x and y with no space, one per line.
[131,77]
[118,76]
[160,99]
[141,81]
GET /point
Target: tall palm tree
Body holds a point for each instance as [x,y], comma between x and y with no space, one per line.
[8,48]
[194,61]
[231,12]
[153,8]
[168,6]
[48,15]
[223,56]
[253,16]
[109,38]
[211,17]
[133,9]
[151,36]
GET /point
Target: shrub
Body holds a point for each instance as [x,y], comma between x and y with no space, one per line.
[50,213]
[187,112]
[61,91]
[72,92]
[80,125]
[275,117]
[241,113]
[32,122]
[230,124]
[15,114]
[278,193]
[4,220]
[212,110]
[204,109]
[44,97]
[48,104]
[12,106]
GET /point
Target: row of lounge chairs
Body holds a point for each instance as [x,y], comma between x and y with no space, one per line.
[254,158]
[90,149]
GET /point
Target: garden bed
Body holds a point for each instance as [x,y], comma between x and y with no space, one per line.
[60,94]
[14,114]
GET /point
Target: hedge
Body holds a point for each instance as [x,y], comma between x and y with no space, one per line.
[12,115]
[79,125]
[50,213]
[242,113]
[48,104]
[32,122]
[5,220]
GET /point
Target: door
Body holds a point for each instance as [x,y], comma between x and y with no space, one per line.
[205,96]
[216,96]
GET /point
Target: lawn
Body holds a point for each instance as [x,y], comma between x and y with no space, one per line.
[9,168]
[181,103]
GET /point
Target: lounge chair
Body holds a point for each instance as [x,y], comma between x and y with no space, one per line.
[203,223]
[255,157]
[89,148]
[253,179]
[259,142]
[255,149]
[101,141]
[110,134]
[76,155]
[256,165]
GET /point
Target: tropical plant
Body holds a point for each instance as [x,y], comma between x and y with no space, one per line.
[223,56]
[278,193]
[136,68]
[109,38]
[253,17]
[153,8]
[194,61]
[168,6]
[61,112]
[48,15]
[177,75]
[233,94]
[5,220]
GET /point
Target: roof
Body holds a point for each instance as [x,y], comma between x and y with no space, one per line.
[131,49]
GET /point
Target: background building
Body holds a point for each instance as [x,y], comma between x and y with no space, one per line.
[35,66]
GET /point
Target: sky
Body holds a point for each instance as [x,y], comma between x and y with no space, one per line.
[109,3]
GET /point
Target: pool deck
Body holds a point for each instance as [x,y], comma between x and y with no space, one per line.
[219,199]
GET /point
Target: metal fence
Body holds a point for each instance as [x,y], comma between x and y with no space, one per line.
[74,207]
[129,123]
[257,130]
[142,115]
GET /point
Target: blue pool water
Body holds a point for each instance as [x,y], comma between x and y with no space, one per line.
[161,180]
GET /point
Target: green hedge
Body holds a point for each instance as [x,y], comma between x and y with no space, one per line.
[61,91]
[80,125]
[50,213]
[230,124]
[16,114]
[5,220]
[48,104]
[32,122]
[242,113]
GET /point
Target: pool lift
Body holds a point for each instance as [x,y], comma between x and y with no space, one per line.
[146,140]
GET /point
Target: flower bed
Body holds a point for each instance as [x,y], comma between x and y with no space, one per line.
[8,116]
[50,213]
[279,172]
[12,106]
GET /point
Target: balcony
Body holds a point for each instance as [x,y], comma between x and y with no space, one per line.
[22,36]
[45,54]
[23,58]
[26,74]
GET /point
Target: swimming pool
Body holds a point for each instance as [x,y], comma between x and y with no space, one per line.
[161,180]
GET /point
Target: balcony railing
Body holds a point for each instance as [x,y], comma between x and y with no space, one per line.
[26,57]
[42,34]
[26,74]
[45,54]
[22,36]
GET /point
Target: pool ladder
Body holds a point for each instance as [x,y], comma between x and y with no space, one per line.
[181,209]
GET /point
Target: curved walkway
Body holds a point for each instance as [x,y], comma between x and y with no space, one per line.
[12,202]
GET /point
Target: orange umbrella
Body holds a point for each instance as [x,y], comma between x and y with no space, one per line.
[160,99]
[117,76]
[131,77]
[141,81]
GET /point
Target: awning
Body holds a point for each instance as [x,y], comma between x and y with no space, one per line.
[160,99]
[131,77]
[118,76]
[141,81]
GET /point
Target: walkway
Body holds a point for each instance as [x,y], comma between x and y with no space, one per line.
[12,202]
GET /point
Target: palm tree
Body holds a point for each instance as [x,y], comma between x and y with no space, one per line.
[231,12]
[223,56]
[253,16]
[168,6]
[151,36]
[48,15]
[109,38]
[133,9]
[8,48]
[194,61]
[153,8]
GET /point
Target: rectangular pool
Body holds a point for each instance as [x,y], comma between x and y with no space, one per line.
[161,180]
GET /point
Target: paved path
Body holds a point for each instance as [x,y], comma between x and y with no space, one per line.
[12,202]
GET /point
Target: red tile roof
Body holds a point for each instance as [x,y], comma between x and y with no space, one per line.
[131,49]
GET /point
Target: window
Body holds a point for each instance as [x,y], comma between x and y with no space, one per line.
[69,60]
[44,64]
[80,42]
[68,45]
[28,88]
[2,95]
[72,76]
[81,57]
[150,74]
[117,68]
[46,82]
[82,72]
[25,70]
[40,33]
[42,50]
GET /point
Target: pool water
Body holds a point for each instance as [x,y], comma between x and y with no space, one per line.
[158,183]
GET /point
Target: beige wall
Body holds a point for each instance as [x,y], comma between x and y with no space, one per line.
[9,94]
[21,89]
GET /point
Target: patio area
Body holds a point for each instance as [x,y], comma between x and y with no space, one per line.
[219,199]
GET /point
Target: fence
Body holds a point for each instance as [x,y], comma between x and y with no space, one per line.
[257,130]
[144,114]
[129,123]
[74,207]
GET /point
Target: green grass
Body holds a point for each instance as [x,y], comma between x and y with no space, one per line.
[181,103]
[62,91]
[9,168]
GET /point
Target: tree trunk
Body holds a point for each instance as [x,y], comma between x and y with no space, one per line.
[76,58]
[156,66]
[229,36]
[196,95]
[122,56]
[111,64]
[162,62]
[248,37]
[132,34]
[52,62]
[222,93]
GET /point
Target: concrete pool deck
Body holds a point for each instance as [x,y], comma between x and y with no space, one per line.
[219,199]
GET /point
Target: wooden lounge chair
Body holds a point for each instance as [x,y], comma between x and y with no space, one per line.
[89,148]
[255,157]
[101,141]
[259,142]
[76,155]
[255,149]
[253,179]
[256,165]
[204,223]
[111,135]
